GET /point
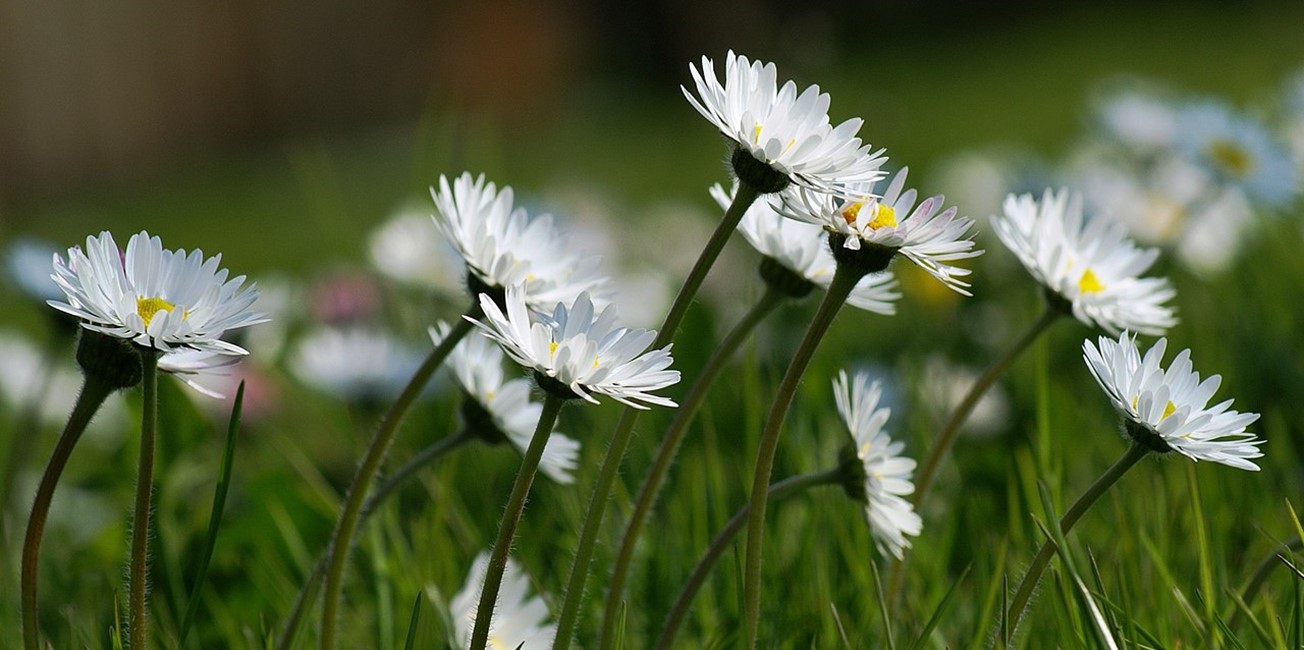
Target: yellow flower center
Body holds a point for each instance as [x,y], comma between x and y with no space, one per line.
[756,134]
[1089,283]
[1230,156]
[148,307]
[1169,409]
[552,349]
[884,215]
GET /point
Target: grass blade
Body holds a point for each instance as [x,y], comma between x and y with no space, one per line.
[941,609]
[410,643]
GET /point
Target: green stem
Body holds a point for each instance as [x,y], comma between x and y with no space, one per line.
[1260,576]
[1134,453]
[783,489]
[670,443]
[92,396]
[844,281]
[342,540]
[620,438]
[493,577]
[138,574]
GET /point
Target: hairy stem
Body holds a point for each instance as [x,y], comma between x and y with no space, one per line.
[138,574]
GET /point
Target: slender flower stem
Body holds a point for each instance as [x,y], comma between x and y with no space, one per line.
[493,576]
[395,480]
[342,540]
[844,281]
[1030,579]
[138,575]
[743,199]
[94,392]
[670,443]
[783,489]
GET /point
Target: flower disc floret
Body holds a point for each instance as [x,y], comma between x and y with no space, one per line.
[803,249]
[1090,264]
[787,131]
[887,474]
[591,355]
[503,246]
[890,223]
[1168,410]
[154,297]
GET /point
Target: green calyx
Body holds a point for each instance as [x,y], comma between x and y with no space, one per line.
[109,359]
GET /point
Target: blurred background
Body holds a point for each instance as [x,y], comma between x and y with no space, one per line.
[299,139]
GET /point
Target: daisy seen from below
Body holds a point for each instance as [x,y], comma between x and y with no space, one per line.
[803,249]
[520,620]
[585,352]
[1239,150]
[502,410]
[1168,410]
[881,227]
[157,298]
[1089,264]
[781,136]
[504,247]
[885,473]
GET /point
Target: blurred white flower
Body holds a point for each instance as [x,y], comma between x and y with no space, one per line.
[1139,118]
[589,354]
[788,132]
[407,247]
[1238,150]
[519,619]
[1089,263]
[1168,410]
[887,474]
[28,263]
[355,363]
[477,365]
[944,384]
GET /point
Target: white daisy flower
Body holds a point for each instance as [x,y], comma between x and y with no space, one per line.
[1239,150]
[197,368]
[519,619]
[1167,410]
[587,354]
[929,238]
[503,247]
[887,473]
[803,249]
[157,298]
[1089,263]
[408,248]
[786,132]
[353,363]
[477,365]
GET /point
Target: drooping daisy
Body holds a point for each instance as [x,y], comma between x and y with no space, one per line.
[519,619]
[503,410]
[927,237]
[1090,264]
[887,474]
[355,363]
[1168,410]
[1238,150]
[586,353]
[504,247]
[803,249]
[781,136]
[156,298]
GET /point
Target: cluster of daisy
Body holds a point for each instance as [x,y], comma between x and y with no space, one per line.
[812,198]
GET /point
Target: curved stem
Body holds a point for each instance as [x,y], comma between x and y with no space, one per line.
[342,540]
[493,576]
[1260,575]
[670,443]
[1133,454]
[844,280]
[386,488]
[138,574]
[93,394]
[743,199]
[783,489]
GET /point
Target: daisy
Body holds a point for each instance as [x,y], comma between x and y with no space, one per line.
[1168,410]
[353,363]
[1090,264]
[781,136]
[519,620]
[157,298]
[502,410]
[1239,150]
[586,355]
[408,249]
[503,247]
[886,472]
[803,249]
[925,236]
